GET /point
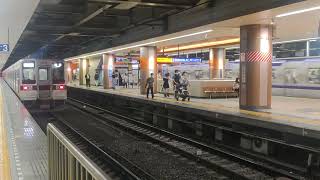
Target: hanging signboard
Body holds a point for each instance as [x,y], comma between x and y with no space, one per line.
[187,60]
[4,47]
[164,60]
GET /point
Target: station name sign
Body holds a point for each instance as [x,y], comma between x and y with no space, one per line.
[4,47]
[169,60]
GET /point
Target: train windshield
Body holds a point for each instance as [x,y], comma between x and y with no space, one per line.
[28,76]
[58,73]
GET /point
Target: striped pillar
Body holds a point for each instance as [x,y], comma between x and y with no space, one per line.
[255,66]
[216,62]
[148,65]
[108,67]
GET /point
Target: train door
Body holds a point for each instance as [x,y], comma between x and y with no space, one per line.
[44,82]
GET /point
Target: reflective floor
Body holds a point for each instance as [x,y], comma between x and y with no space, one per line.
[27,144]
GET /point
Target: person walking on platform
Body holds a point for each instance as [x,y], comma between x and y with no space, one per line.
[87,77]
[125,80]
[165,85]
[149,85]
[236,86]
[96,78]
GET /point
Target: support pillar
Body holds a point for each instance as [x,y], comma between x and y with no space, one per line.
[83,70]
[68,72]
[108,67]
[216,62]
[255,66]
[148,65]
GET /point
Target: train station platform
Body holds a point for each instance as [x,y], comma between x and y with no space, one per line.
[288,114]
[23,145]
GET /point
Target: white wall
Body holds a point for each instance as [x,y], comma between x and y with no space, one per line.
[14,15]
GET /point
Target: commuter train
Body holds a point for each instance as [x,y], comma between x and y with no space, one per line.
[293,77]
[290,77]
[37,80]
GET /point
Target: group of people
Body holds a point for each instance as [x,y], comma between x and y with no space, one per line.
[178,81]
[120,80]
[88,79]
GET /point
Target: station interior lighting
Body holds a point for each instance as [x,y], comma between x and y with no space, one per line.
[140,45]
[298,11]
[201,45]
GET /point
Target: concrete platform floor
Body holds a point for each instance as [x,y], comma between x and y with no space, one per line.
[297,112]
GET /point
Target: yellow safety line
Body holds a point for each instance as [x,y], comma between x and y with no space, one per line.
[5,173]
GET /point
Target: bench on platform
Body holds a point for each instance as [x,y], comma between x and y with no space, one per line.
[220,91]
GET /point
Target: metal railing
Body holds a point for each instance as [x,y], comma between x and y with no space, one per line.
[67,162]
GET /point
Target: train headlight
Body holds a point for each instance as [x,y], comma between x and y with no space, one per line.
[57,65]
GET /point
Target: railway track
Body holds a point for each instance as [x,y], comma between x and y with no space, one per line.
[226,163]
[115,169]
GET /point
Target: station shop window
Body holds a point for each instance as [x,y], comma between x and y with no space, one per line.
[43,74]
[314,75]
[294,49]
[314,47]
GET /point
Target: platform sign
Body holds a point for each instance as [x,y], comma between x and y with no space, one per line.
[164,60]
[4,47]
[187,60]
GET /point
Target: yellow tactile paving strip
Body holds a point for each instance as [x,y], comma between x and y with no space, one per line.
[5,173]
[295,121]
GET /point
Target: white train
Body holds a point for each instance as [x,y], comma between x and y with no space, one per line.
[37,80]
[291,77]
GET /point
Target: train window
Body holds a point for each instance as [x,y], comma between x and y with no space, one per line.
[43,74]
[58,73]
[315,47]
[314,75]
[28,76]
[294,49]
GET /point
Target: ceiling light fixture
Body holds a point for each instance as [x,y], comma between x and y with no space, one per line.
[202,45]
[139,45]
[298,12]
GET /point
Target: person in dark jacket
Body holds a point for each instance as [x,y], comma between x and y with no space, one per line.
[96,78]
[165,85]
[149,85]
[87,77]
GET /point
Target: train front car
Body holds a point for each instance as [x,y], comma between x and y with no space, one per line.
[59,92]
[27,86]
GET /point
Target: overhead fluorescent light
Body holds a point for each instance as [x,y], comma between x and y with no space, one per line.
[201,45]
[139,45]
[298,12]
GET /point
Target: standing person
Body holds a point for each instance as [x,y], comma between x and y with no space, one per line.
[176,82]
[149,85]
[165,85]
[96,78]
[116,74]
[125,80]
[114,81]
[236,86]
[87,77]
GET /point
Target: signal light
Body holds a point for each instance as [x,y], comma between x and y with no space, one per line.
[24,88]
[61,87]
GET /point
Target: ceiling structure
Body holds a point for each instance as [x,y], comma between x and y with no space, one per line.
[65,28]
[227,33]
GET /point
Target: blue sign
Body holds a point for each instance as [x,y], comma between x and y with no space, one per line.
[4,47]
[187,60]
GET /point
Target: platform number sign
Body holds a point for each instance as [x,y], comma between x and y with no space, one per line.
[4,47]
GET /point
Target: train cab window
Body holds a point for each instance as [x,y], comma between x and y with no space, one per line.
[28,75]
[58,73]
[43,74]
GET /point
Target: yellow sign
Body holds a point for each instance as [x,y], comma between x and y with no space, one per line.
[164,60]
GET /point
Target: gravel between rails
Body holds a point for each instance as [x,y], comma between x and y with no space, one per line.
[161,163]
